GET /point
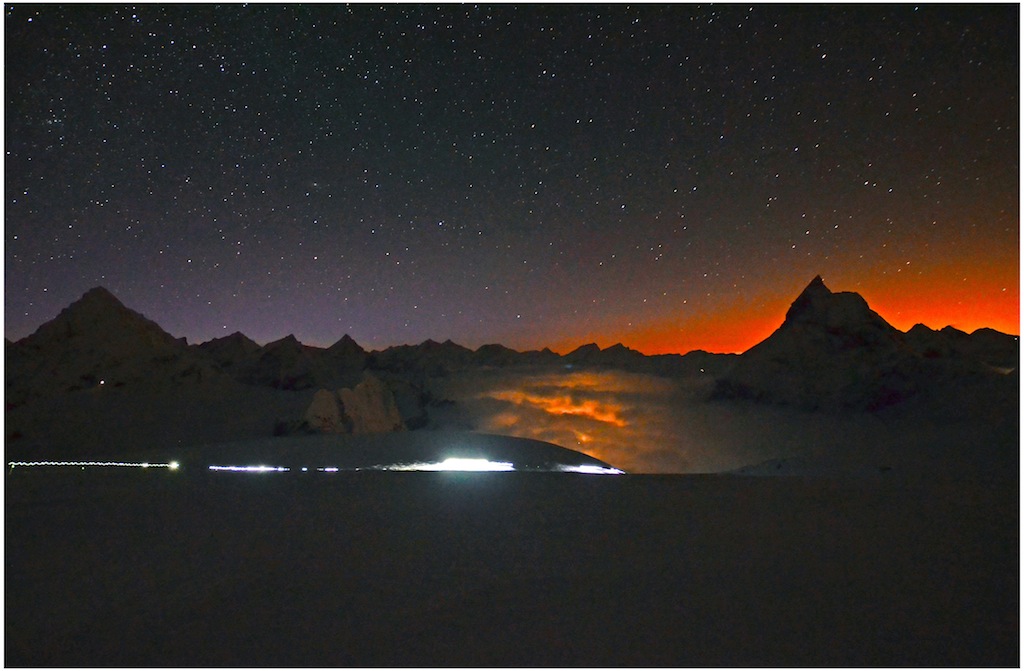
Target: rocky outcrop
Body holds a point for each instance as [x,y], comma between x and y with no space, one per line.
[324,414]
[369,407]
[285,364]
[499,356]
[583,354]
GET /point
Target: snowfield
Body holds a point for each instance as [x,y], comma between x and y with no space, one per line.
[190,567]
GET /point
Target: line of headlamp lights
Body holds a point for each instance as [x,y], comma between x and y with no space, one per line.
[457,464]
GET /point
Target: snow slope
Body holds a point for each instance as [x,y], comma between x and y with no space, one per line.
[507,569]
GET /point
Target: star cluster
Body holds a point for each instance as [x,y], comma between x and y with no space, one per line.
[668,176]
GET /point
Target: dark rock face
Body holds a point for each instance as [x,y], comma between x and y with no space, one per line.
[496,355]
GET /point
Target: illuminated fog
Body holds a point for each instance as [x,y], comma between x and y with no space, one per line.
[640,423]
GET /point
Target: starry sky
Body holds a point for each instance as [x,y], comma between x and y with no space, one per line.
[667,176]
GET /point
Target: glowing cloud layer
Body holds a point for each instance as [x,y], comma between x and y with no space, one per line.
[565,405]
[604,414]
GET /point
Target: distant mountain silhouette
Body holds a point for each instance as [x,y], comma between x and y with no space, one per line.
[229,351]
[97,342]
[286,363]
[427,358]
[618,355]
[833,351]
[99,312]
[496,355]
[989,346]
[348,350]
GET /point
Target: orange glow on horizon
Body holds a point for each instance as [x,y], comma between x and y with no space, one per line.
[729,330]
[952,302]
[984,301]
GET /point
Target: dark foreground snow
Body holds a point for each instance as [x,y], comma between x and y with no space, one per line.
[378,568]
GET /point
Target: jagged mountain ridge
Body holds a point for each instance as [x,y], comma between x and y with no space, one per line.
[97,340]
[836,335]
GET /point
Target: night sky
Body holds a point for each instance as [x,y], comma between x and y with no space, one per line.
[665,176]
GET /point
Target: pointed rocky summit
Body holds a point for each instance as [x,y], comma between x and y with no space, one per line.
[231,352]
[99,315]
[346,346]
[347,354]
[832,350]
[818,307]
[97,342]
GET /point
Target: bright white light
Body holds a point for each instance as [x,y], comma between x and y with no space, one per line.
[457,464]
[304,469]
[454,464]
[123,464]
[590,468]
[250,469]
[329,469]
